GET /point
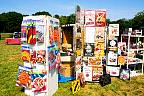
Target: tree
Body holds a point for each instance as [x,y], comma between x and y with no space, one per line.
[71,19]
[42,13]
[56,16]
[10,22]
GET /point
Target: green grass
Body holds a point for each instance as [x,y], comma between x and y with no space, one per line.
[10,58]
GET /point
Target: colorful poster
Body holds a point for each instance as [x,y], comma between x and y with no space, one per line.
[114,29]
[112,58]
[33,58]
[113,71]
[87,72]
[23,35]
[23,79]
[40,34]
[41,56]
[94,61]
[31,35]
[121,60]
[97,71]
[100,34]
[99,49]
[89,49]
[26,55]
[51,37]
[100,18]
[52,57]
[89,17]
[125,74]
[90,33]
[39,82]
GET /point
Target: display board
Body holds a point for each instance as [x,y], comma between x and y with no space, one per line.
[40,54]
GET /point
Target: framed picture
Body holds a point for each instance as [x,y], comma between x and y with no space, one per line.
[125,74]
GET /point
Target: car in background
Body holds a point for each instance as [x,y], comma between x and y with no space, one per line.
[15,40]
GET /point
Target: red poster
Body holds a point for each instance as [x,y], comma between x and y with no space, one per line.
[31,35]
[100,18]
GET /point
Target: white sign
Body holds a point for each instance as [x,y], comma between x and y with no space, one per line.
[113,71]
[90,17]
[112,58]
[90,34]
[114,29]
[87,71]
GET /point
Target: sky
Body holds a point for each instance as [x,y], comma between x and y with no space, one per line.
[116,9]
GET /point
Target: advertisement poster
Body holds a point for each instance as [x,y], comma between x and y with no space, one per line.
[90,33]
[33,58]
[100,34]
[89,49]
[38,82]
[87,71]
[97,71]
[51,57]
[25,55]
[113,71]
[100,18]
[41,59]
[89,17]
[40,34]
[24,78]
[125,74]
[94,61]
[23,35]
[112,58]
[31,35]
[114,29]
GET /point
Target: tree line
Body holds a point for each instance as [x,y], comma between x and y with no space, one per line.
[11,21]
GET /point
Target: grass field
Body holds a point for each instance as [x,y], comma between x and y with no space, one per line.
[10,58]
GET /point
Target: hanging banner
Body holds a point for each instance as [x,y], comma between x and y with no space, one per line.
[89,17]
[100,18]
[114,29]
[90,33]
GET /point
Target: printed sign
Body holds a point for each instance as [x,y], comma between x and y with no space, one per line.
[31,35]
[94,61]
[97,71]
[90,33]
[38,82]
[125,74]
[87,72]
[23,78]
[121,60]
[41,56]
[113,71]
[112,58]
[40,34]
[26,55]
[114,29]
[75,86]
[33,58]
[99,35]
[89,17]
[100,18]
[89,49]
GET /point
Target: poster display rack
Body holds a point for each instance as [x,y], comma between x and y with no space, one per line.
[40,43]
